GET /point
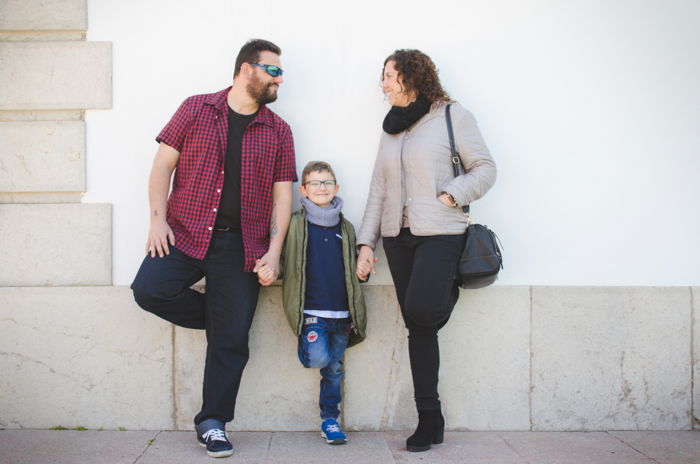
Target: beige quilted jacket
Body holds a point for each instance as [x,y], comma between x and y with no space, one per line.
[424,151]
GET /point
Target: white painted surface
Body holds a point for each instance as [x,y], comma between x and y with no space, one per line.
[591,111]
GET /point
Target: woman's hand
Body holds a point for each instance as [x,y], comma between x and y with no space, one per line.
[365,262]
[447,200]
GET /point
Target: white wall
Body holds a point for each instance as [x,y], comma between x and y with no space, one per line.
[591,110]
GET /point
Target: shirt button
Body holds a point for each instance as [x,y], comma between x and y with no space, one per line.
[215,210]
[222,172]
[209,228]
[218,190]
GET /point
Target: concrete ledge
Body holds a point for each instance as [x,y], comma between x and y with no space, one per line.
[85,356]
[602,358]
[22,15]
[55,75]
[60,244]
[42,156]
[611,358]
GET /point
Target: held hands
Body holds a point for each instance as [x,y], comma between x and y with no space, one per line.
[267,268]
[365,262]
[159,234]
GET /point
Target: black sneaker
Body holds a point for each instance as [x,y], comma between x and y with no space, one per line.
[216,442]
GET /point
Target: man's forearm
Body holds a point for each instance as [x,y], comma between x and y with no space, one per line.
[281,215]
[158,188]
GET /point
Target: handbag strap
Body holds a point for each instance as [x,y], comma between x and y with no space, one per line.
[456,162]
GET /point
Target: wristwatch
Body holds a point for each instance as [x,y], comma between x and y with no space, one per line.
[452,199]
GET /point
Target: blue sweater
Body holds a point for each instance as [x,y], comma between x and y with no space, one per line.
[325,273]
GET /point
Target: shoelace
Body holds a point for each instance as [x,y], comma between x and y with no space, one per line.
[332,428]
[215,434]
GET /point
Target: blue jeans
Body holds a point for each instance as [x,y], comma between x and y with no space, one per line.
[322,343]
[225,312]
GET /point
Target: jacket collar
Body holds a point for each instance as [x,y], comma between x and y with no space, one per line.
[218,101]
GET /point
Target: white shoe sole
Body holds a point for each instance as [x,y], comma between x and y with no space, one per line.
[220,454]
[333,442]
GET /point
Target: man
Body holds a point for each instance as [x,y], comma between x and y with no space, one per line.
[226,217]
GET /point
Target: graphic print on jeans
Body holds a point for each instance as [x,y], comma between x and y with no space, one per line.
[322,343]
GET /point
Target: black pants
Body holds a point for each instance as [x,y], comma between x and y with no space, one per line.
[162,286]
[424,271]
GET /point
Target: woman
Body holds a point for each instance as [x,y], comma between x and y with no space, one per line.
[415,204]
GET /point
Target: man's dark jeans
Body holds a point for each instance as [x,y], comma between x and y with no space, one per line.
[424,270]
[162,286]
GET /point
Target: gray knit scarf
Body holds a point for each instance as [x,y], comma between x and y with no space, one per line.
[326,217]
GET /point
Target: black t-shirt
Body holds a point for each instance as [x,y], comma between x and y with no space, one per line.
[229,214]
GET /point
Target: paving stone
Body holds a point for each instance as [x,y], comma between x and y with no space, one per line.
[183,448]
[458,447]
[572,448]
[665,447]
[310,448]
[71,446]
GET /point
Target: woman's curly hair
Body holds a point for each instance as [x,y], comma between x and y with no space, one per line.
[419,74]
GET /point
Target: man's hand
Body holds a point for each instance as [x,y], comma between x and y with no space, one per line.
[365,262]
[159,235]
[267,268]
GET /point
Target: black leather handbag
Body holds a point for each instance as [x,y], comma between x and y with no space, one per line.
[481,258]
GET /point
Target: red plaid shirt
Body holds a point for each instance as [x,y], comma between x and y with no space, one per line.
[199,131]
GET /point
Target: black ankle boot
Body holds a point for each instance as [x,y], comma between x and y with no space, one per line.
[431,429]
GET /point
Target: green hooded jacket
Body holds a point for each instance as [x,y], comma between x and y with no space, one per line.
[294,279]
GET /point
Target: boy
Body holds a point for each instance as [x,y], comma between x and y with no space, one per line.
[322,295]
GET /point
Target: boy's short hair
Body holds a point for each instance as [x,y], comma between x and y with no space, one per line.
[314,166]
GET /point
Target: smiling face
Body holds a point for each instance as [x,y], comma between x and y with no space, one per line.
[261,86]
[393,86]
[321,195]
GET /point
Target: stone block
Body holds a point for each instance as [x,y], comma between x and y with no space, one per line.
[48,15]
[42,156]
[485,360]
[59,244]
[293,448]
[82,356]
[485,364]
[611,358]
[696,357]
[55,75]
[378,393]
[276,393]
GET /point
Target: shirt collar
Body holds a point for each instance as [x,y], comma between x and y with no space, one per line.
[218,100]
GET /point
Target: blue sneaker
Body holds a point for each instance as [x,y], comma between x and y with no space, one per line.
[330,430]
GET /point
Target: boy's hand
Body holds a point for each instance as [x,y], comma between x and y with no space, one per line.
[267,270]
[365,262]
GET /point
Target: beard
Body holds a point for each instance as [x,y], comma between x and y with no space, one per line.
[260,92]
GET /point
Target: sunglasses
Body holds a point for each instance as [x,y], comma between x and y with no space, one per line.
[272,70]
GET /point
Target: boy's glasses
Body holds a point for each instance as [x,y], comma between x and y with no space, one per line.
[314,184]
[272,70]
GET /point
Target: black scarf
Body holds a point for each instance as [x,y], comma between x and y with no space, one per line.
[400,118]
